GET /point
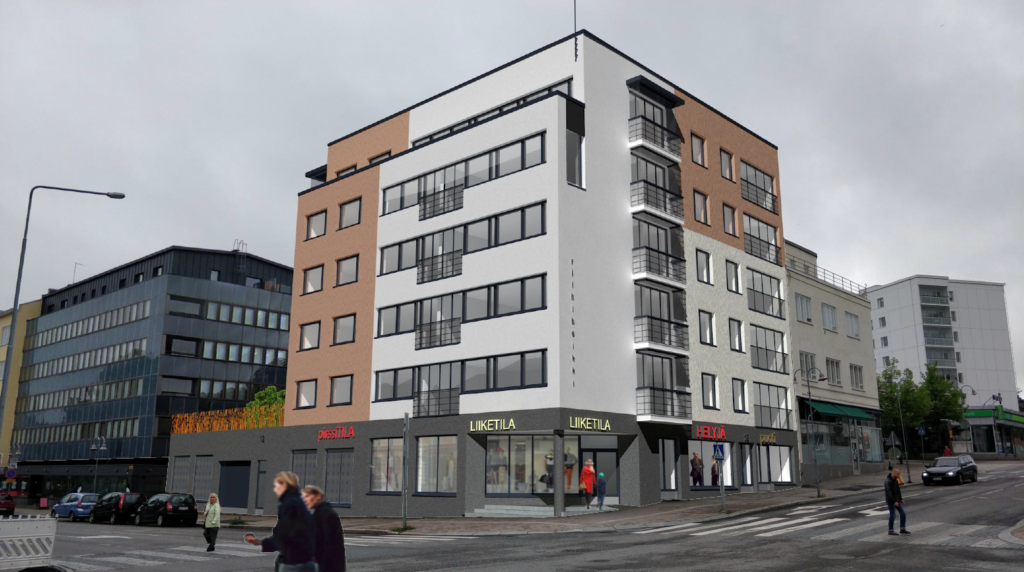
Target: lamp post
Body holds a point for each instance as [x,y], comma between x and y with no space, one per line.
[17,285]
[899,405]
[810,414]
[102,442]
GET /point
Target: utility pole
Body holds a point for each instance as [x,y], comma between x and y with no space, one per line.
[405,472]
[810,415]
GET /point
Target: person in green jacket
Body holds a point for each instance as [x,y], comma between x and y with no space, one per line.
[211,522]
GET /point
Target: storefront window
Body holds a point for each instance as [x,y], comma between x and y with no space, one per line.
[386,465]
[438,464]
[775,465]
[524,464]
[668,464]
[708,472]
[871,445]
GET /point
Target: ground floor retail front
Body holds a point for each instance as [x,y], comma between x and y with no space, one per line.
[459,463]
[839,440]
[996,431]
[38,484]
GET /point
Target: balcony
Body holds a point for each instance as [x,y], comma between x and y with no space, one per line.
[441,202]
[942,362]
[436,403]
[661,267]
[935,300]
[762,249]
[659,201]
[812,270]
[763,303]
[938,341]
[936,321]
[657,138]
[667,405]
[437,334]
[658,334]
[437,267]
[758,196]
[768,359]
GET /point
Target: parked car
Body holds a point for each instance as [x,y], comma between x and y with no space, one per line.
[7,505]
[116,508]
[957,469]
[168,508]
[75,506]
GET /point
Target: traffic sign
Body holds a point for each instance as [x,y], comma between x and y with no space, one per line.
[920,431]
[11,473]
[719,452]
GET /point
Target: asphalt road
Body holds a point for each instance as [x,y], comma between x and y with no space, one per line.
[953,528]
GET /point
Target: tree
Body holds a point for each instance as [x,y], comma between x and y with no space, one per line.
[897,389]
[947,400]
[268,396]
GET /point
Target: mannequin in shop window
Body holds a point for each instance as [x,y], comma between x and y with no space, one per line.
[714,474]
[697,470]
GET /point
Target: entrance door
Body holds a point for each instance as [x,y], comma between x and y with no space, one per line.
[234,485]
[606,462]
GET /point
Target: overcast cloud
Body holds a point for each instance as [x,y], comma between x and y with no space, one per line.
[900,125]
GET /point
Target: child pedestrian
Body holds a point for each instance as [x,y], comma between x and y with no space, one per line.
[602,488]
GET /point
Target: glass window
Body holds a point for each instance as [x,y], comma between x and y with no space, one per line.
[392,199]
[667,448]
[508,371]
[313,280]
[183,347]
[771,406]
[408,256]
[703,267]
[806,367]
[345,329]
[218,390]
[732,276]
[236,314]
[407,317]
[803,308]
[272,320]
[261,318]
[707,327]
[387,321]
[350,213]
[534,293]
[348,270]
[509,298]
[478,236]
[510,227]
[341,390]
[175,386]
[316,225]
[697,147]
[234,352]
[183,307]
[510,159]
[705,471]
[250,316]
[403,383]
[437,465]
[729,220]
[533,369]
[852,325]
[225,313]
[310,336]
[246,354]
[478,170]
[534,151]
[735,335]
[574,158]
[305,394]
[775,464]
[476,375]
[385,385]
[283,324]
[828,317]
[739,395]
[726,165]
[534,220]
[389,259]
[709,389]
[700,207]
[386,467]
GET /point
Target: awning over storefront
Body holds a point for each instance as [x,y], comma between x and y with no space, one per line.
[855,412]
[827,409]
[841,410]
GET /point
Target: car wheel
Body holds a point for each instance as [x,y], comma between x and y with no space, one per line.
[53,514]
[92,518]
[138,520]
[72,517]
[161,521]
[113,518]
[960,479]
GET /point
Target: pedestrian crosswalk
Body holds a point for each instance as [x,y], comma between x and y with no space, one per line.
[850,527]
[393,541]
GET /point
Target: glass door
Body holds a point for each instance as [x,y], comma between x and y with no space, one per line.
[606,462]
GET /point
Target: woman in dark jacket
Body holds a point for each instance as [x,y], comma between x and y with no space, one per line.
[293,535]
[330,539]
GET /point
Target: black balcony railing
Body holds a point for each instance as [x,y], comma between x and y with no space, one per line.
[659,263]
[645,130]
[666,402]
[768,359]
[766,303]
[658,198]
[436,334]
[658,331]
[758,196]
[436,403]
[762,249]
[440,202]
[441,266]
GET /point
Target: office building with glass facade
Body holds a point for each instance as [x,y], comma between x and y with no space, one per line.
[113,357]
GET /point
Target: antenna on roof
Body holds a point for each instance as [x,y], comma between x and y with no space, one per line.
[74,273]
[575,38]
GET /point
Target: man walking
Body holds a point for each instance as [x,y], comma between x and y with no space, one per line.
[894,500]
[330,538]
[697,470]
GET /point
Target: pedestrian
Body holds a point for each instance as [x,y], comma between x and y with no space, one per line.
[946,452]
[602,488]
[894,500]
[211,522]
[330,538]
[570,468]
[587,481]
[714,473]
[697,470]
[293,535]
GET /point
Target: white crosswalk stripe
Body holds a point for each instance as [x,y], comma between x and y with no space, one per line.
[137,562]
[173,556]
[850,531]
[716,526]
[749,524]
[668,528]
[773,525]
[239,552]
[803,526]
[77,566]
[402,540]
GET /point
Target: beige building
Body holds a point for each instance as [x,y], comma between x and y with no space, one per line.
[833,363]
[28,311]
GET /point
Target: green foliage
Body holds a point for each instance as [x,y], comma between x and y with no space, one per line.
[947,399]
[896,391]
[268,396]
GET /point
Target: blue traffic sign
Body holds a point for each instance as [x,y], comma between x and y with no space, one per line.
[719,452]
[920,431]
[11,473]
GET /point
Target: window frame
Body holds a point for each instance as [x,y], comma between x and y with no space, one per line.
[855,323]
[710,269]
[335,379]
[733,277]
[302,335]
[799,301]
[739,331]
[745,408]
[334,336]
[359,213]
[298,393]
[711,328]
[702,213]
[702,149]
[728,221]
[714,391]
[305,280]
[338,278]
[722,153]
[309,224]
[437,466]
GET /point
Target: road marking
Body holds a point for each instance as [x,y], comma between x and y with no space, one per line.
[807,509]
[917,528]
[952,531]
[847,508]
[717,527]
[173,556]
[965,498]
[749,524]
[667,528]
[771,526]
[803,526]
[990,543]
[78,567]
[849,531]
[97,537]
[222,552]
[879,511]
[129,561]
[990,492]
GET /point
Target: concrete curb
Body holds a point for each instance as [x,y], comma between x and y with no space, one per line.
[1007,535]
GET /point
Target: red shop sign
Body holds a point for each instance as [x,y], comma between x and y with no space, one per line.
[709,432]
[340,432]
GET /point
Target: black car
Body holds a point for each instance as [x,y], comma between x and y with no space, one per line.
[116,508]
[957,469]
[168,508]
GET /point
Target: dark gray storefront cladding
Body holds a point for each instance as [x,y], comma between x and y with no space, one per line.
[638,459]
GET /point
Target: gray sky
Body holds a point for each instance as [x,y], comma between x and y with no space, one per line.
[900,125]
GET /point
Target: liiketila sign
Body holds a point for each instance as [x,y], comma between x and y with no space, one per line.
[340,432]
[481,425]
[589,424]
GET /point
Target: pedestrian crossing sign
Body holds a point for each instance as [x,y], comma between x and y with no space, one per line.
[719,451]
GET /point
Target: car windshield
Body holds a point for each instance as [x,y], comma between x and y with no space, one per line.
[90,498]
[945,462]
[131,497]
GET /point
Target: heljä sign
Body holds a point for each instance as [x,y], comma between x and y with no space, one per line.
[709,432]
[340,432]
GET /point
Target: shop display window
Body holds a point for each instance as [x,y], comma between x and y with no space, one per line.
[524,464]
[710,472]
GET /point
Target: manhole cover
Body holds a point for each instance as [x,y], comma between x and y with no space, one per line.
[836,557]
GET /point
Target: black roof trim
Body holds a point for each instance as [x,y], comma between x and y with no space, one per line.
[319,173]
[642,82]
[460,131]
[544,48]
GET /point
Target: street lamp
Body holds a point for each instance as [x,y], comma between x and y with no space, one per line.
[810,413]
[17,285]
[899,405]
[102,442]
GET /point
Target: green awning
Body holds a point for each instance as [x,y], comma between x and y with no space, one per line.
[855,412]
[828,409]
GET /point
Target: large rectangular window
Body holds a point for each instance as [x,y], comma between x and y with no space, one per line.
[386,466]
[707,471]
[341,390]
[524,464]
[709,389]
[739,395]
[700,207]
[510,371]
[351,213]
[316,225]
[437,468]
[667,447]
[757,187]
[767,349]
[309,336]
[803,308]
[760,240]
[828,317]
[313,280]
[348,270]
[771,406]
[852,325]
[345,329]
[775,464]
[305,394]
[764,294]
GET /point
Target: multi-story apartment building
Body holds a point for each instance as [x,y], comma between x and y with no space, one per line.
[113,357]
[27,311]
[961,327]
[566,258]
[834,372]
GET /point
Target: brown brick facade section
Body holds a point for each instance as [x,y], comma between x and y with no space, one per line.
[355,359]
[718,134]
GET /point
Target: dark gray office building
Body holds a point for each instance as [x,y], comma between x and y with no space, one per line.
[113,357]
